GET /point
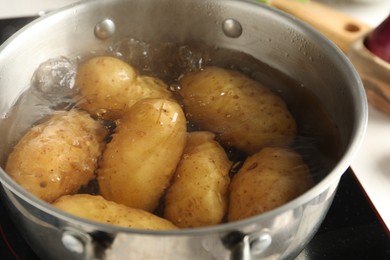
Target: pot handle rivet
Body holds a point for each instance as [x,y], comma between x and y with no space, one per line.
[243,246]
[75,242]
[259,243]
[104,29]
[231,28]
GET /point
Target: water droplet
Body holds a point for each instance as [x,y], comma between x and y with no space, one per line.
[55,178]
[101,112]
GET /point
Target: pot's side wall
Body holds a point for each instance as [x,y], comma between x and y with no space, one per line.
[39,229]
[288,233]
[310,221]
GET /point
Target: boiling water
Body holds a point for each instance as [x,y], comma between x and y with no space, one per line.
[52,88]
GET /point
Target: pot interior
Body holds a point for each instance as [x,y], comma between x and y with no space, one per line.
[318,83]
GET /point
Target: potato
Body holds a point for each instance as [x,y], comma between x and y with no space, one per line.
[109,87]
[244,114]
[96,208]
[198,195]
[58,156]
[142,156]
[267,180]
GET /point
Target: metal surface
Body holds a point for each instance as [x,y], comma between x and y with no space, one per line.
[267,35]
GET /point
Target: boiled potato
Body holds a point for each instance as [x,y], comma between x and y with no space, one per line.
[139,162]
[268,179]
[109,87]
[198,195]
[58,156]
[244,114]
[96,208]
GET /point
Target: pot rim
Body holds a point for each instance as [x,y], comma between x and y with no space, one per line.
[361,119]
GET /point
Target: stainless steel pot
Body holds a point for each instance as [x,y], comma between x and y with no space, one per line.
[246,26]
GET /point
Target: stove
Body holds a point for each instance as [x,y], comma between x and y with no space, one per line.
[351,229]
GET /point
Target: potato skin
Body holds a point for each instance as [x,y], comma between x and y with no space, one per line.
[268,179]
[96,208]
[142,156]
[244,114]
[199,193]
[58,156]
[109,87]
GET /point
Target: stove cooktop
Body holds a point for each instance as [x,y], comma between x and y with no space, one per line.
[351,229]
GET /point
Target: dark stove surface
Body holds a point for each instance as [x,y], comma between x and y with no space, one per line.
[351,229]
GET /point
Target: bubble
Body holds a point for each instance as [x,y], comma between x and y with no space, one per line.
[54,79]
[175,87]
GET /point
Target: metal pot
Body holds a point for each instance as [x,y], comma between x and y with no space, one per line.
[249,27]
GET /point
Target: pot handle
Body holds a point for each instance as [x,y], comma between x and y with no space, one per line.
[241,250]
[85,245]
[243,246]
